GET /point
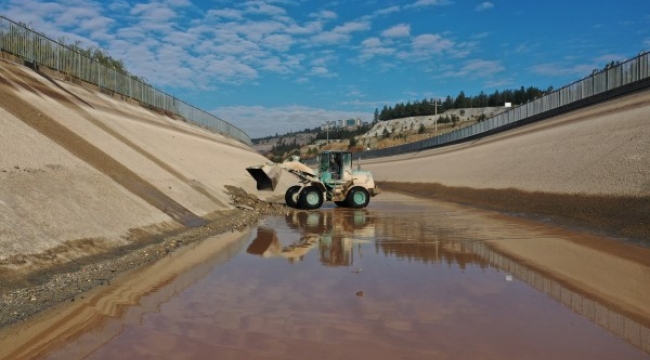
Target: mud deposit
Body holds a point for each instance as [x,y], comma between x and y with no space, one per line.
[627,217]
[404,278]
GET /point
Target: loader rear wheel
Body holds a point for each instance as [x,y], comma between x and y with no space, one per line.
[358,197]
[291,196]
[310,198]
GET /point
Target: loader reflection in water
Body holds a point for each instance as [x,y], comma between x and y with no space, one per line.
[404,278]
[333,233]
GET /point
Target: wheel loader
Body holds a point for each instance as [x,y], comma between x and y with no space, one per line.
[333,180]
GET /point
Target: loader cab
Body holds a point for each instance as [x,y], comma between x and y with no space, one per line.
[335,165]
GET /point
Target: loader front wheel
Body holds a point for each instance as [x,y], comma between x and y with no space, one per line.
[358,197]
[291,196]
[310,198]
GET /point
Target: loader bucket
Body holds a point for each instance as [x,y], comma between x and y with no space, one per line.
[266,176]
[265,244]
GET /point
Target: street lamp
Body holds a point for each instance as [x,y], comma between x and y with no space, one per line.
[327,131]
[435,121]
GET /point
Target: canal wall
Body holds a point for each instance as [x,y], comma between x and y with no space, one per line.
[600,150]
[82,172]
[589,167]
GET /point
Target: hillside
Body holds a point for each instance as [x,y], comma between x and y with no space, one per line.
[383,133]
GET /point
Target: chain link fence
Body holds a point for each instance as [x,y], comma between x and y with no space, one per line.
[39,50]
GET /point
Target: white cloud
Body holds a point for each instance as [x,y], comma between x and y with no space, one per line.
[371,42]
[321,71]
[423,3]
[341,33]
[476,68]
[372,47]
[225,14]
[279,42]
[388,10]
[119,6]
[256,30]
[155,12]
[324,15]
[397,31]
[262,8]
[352,26]
[230,68]
[431,44]
[306,29]
[484,6]
[482,68]
[563,70]
[324,58]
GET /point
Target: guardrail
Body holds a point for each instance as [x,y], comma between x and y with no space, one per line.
[631,75]
[40,50]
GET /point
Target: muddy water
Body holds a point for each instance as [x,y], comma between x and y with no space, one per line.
[403,279]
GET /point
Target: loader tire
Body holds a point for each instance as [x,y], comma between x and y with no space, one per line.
[358,198]
[291,196]
[310,198]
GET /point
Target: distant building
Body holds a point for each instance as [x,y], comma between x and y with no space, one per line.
[353,123]
[347,124]
[328,125]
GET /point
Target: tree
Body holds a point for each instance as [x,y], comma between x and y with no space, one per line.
[461,101]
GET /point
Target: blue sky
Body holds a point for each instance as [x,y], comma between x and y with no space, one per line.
[273,66]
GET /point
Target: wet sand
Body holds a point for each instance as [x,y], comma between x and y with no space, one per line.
[625,217]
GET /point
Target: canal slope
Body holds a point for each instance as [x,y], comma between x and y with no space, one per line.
[588,168]
[82,172]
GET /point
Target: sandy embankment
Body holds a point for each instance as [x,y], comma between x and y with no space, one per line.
[590,168]
[82,172]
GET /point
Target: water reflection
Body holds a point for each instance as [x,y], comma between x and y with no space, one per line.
[438,281]
[334,233]
[565,266]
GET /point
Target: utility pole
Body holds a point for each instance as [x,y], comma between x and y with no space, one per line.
[435,111]
[327,130]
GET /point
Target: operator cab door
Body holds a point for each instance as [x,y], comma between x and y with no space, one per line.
[331,165]
[336,166]
[346,166]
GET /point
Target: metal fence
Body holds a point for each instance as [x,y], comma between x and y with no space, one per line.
[597,86]
[42,51]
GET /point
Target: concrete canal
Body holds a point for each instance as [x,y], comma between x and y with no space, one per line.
[405,278]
